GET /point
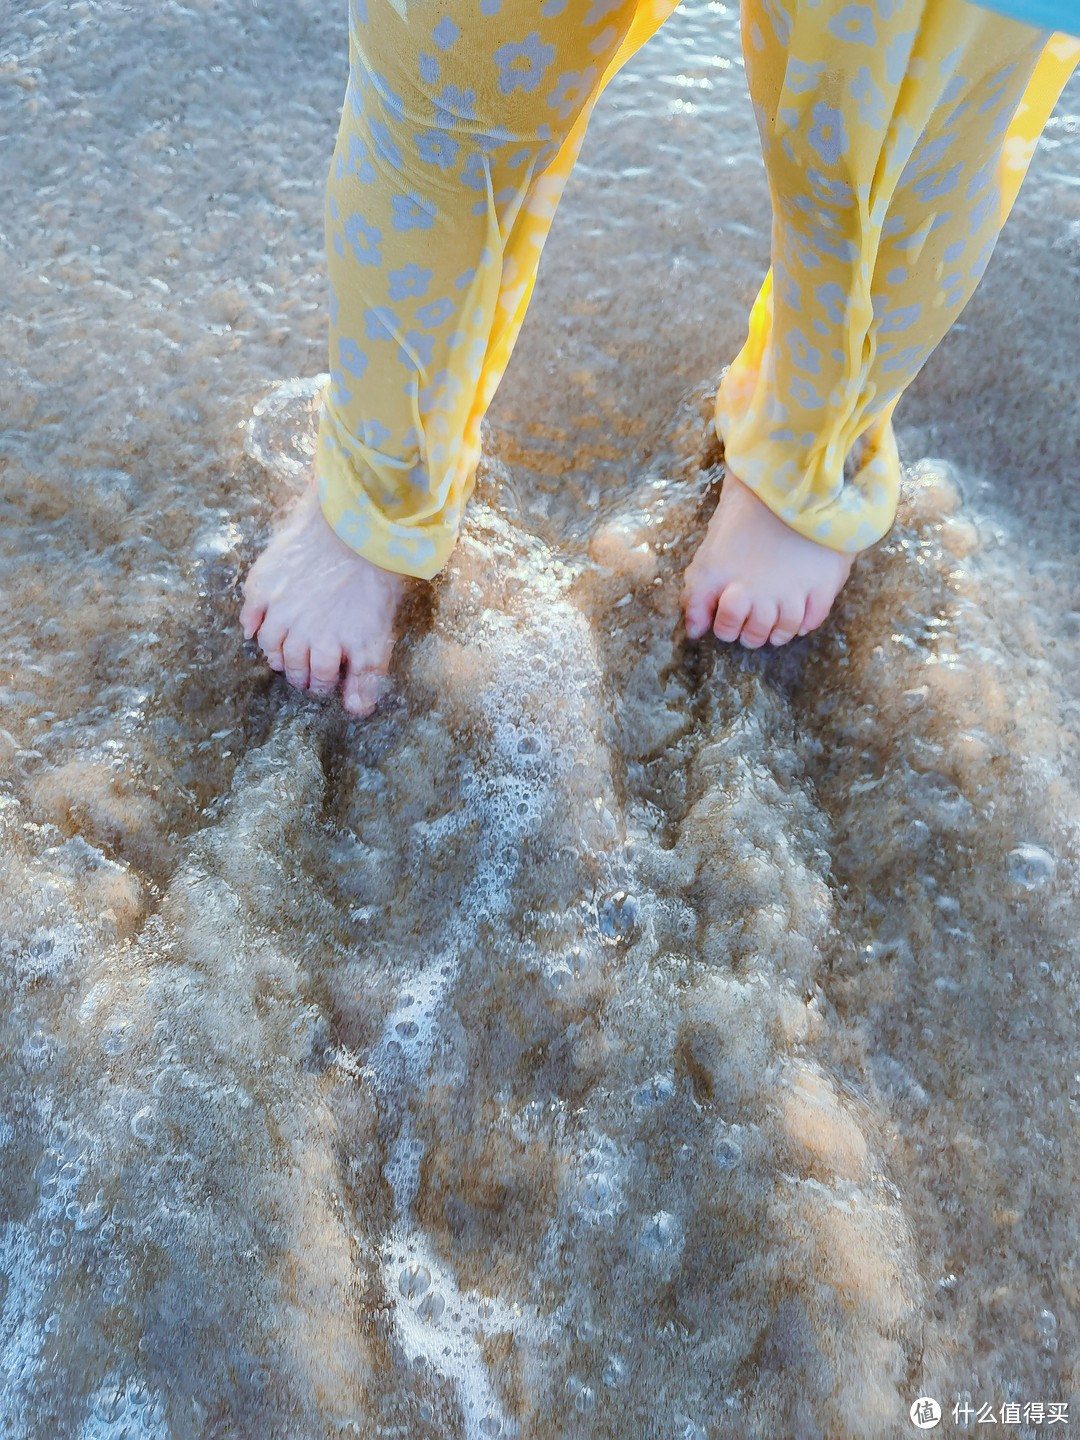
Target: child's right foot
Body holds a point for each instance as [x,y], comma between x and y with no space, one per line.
[316,605]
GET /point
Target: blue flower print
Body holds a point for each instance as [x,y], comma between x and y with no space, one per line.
[929,154]
[932,187]
[418,548]
[452,105]
[952,287]
[417,350]
[340,394]
[910,358]
[372,434]
[475,174]
[384,145]
[437,148]
[998,85]
[796,244]
[805,394]
[334,306]
[352,357]
[392,103]
[359,165]
[897,54]
[413,439]
[868,96]
[828,136]
[410,283]
[983,259]
[982,211]
[896,321]
[544,156]
[364,239]
[571,91]
[490,7]
[490,140]
[804,356]
[802,76]
[522,66]
[955,85]
[781,22]
[381,323]
[845,250]
[357,83]
[441,394]
[433,315]
[954,251]
[429,69]
[599,8]
[551,8]
[353,529]
[788,288]
[835,192]
[854,23]
[413,212]
[982,177]
[445,33]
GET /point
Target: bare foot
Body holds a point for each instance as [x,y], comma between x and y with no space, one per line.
[316,605]
[754,579]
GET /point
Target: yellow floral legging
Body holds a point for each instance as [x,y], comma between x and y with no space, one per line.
[895,135]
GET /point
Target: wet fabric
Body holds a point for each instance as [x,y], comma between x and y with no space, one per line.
[894,153]
[902,152]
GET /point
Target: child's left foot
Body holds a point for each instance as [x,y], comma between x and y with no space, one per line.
[754,579]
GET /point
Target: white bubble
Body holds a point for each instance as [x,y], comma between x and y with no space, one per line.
[1031,866]
[414,1281]
[662,1233]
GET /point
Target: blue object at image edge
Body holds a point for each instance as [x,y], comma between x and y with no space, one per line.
[1046,14]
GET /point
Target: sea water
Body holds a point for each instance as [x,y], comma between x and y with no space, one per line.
[612,1037]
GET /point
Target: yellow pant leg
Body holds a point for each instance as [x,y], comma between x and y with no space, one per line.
[894,149]
[460,126]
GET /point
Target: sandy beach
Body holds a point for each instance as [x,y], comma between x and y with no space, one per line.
[612,1037]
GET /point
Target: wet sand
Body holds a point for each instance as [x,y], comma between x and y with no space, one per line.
[612,1037]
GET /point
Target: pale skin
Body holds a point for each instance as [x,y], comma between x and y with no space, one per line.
[324,614]
[319,609]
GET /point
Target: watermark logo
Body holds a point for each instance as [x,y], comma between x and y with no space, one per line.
[925,1413]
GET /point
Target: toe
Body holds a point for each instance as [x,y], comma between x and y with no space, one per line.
[732,609]
[817,610]
[272,635]
[759,624]
[791,616]
[360,693]
[325,665]
[295,654]
[252,615]
[699,605]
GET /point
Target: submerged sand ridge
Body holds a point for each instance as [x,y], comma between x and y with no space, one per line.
[592,1043]
[612,1037]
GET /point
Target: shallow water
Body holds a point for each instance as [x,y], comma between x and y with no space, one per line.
[612,1037]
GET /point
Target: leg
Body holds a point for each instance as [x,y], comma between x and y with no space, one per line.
[894,151]
[459,131]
